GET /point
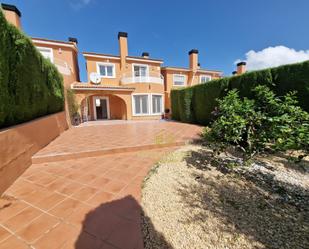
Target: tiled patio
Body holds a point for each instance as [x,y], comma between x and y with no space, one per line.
[86,203]
[95,140]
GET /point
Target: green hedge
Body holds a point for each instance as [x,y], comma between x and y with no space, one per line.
[30,85]
[175,105]
[185,97]
[200,100]
[209,92]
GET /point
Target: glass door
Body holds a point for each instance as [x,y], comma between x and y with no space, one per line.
[101,108]
[140,71]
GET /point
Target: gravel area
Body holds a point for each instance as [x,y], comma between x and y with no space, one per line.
[192,201]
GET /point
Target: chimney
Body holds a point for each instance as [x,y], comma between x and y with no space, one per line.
[123,48]
[12,14]
[241,67]
[193,59]
[72,39]
[145,54]
[234,72]
[198,65]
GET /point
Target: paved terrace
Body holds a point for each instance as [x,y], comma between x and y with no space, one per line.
[94,140]
[89,202]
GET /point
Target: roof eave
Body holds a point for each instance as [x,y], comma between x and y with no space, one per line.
[54,42]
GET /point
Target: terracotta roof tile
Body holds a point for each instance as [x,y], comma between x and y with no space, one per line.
[84,85]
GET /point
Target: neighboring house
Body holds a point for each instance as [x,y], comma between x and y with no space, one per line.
[63,55]
[128,87]
[177,77]
[125,87]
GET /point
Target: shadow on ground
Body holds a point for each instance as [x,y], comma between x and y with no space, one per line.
[118,224]
[287,162]
[273,213]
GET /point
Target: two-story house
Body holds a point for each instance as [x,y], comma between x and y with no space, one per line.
[177,77]
[129,87]
[125,87]
[134,87]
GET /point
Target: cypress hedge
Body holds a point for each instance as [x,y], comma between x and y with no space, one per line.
[174,105]
[30,85]
[201,100]
[185,97]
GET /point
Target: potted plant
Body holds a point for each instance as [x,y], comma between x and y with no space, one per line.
[167,113]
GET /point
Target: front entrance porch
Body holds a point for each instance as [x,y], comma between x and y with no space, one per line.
[98,102]
[103,107]
[102,102]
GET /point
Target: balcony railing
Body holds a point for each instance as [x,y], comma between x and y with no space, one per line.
[129,78]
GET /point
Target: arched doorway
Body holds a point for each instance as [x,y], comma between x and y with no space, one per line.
[103,107]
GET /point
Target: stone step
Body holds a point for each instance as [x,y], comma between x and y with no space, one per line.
[54,157]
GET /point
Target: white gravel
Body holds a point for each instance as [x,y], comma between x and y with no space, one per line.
[189,203]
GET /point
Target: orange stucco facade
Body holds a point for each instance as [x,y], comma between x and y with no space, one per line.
[191,76]
[118,86]
[128,77]
[158,81]
[64,56]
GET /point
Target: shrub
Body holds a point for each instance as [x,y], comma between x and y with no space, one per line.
[265,122]
[30,84]
[73,107]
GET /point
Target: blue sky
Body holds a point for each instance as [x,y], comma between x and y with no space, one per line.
[222,30]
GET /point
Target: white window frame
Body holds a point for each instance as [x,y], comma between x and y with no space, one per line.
[106,64]
[94,106]
[133,104]
[182,75]
[140,65]
[50,50]
[162,104]
[205,75]
[149,113]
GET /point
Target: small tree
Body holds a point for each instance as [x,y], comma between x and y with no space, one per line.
[265,122]
[72,106]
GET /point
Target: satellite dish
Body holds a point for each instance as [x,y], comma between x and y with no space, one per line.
[95,78]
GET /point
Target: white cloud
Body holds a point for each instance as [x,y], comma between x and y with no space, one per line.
[274,56]
[78,4]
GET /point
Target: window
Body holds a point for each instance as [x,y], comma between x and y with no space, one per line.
[106,70]
[179,80]
[47,53]
[140,70]
[156,104]
[140,104]
[205,78]
[147,104]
